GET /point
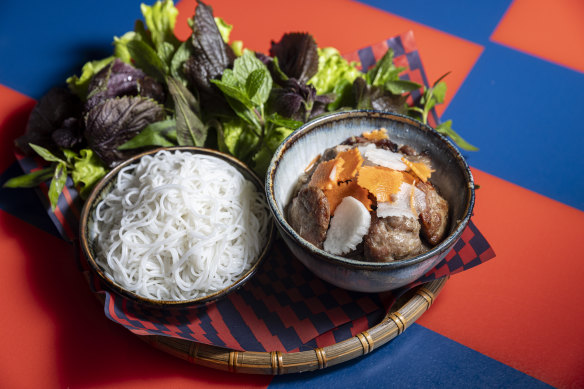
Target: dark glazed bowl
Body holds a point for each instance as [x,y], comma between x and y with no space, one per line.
[452,177]
[87,234]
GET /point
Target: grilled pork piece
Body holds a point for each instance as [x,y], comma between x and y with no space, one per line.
[309,214]
[434,218]
[391,238]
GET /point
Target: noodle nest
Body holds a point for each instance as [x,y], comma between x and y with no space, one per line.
[179,226]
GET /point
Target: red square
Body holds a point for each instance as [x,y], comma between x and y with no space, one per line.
[379,50]
[408,41]
[467,254]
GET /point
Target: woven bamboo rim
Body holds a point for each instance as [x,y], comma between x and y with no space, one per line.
[411,307]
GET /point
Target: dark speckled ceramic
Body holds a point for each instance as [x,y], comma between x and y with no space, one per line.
[452,177]
[87,233]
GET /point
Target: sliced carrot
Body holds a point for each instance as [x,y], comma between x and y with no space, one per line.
[409,178]
[345,189]
[376,134]
[380,181]
[420,169]
[353,161]
[327,173]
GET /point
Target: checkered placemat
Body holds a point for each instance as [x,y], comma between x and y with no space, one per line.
[285,307]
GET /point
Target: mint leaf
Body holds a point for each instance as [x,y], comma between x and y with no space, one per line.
[247,113]
[245,65]
[233,91]
[256,86]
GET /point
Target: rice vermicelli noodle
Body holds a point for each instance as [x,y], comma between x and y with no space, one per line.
[179,226]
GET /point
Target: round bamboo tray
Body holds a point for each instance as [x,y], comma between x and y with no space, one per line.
[407,310]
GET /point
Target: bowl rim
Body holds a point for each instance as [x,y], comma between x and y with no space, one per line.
[313,125]
[95,193]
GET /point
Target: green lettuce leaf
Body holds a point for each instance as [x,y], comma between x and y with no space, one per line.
[332,69]
[121,46]
[224,28]
[225,31]
[80,84]
[335,75]
[237,139]
[273,139]
[87,171]
[160,19]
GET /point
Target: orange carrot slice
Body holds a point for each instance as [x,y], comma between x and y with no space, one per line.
[376,134]
[345,189]
[353,161]
[327,173]
[420,169]
[380,181]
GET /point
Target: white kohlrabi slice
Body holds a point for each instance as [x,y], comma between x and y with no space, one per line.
[347,227]
[364,148]
[386,158]
[401,203]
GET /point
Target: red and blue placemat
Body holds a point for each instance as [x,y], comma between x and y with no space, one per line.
[284,307]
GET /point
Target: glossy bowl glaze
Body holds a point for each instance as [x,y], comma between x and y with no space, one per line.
[106,185]
[452,177]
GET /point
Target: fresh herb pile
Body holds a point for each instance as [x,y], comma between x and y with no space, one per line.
[206,91]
